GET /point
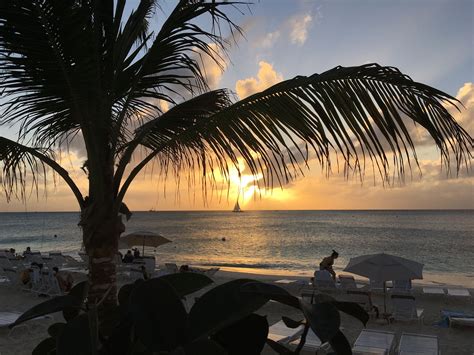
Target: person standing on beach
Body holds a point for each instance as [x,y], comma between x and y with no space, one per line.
[328,262]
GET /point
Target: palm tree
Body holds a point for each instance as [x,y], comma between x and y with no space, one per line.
[84,69]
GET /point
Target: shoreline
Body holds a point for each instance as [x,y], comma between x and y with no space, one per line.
[430,279]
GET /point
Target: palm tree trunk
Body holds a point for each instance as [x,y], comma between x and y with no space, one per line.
[101,243]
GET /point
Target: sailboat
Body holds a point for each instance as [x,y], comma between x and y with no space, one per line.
[237,207]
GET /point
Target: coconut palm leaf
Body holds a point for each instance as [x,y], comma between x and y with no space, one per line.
[22,165]
[357,112]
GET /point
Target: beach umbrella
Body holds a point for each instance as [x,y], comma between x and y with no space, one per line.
[143,238]
[385,267]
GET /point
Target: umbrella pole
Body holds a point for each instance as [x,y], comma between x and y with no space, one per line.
[143,248]
[384,298]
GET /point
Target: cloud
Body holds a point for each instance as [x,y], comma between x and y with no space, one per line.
[299,28]
[466,117]
[269,40]
[266,77]
[213,70]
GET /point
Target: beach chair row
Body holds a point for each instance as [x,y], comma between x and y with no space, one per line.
[7,260]
[323,280]
[369,341]
[41,282]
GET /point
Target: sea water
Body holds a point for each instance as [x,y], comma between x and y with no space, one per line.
[276,241]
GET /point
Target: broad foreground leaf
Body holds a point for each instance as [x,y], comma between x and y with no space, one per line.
[159,317]
[222,306]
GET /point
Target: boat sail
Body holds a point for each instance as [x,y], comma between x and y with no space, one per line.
[237,207]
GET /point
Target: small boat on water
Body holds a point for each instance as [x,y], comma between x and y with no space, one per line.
[237,207]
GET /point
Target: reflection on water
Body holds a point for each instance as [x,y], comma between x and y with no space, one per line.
[284,240]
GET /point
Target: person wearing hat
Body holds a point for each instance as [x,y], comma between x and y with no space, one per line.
[328,262]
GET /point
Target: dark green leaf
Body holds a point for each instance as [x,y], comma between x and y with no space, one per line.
[290,323]
[340,344]
[204,346]
[354,310]
[273,292]
[159,317]
[323,318]
[124,295]
[55,329]
[50,306]
[186,283]
[75,337]
[46,347]
[222,306]
[246,336]
[279,348]
[79,291]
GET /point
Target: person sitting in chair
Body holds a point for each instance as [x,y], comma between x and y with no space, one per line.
[128,258]
[328,262]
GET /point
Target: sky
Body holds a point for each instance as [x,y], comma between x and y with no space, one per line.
[430,40]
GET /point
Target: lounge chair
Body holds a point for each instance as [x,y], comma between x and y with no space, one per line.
[150,263]
[363,299]
[404,308]
[5,262]
[280,333]
[347,282]
[414,344]
[433,291]
[372,341]
[312,342]
[458,292]
[461,321]
[401,286]
[12,276]
[171,268]
[323,280]
[57,259]
[376,285]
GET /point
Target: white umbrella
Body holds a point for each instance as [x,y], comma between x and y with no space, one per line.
[143,238]
[385,267]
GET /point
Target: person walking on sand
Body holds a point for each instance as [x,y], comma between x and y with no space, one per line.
[328,262]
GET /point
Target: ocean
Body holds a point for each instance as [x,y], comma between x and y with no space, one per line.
[277,242]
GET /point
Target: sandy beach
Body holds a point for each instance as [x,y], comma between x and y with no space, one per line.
[451,340]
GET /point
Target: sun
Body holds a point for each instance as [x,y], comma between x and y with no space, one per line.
[243,187]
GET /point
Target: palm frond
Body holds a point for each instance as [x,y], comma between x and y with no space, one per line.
[23,165]
[356,112]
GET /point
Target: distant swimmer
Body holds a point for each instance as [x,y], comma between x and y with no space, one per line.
[223,239]
[55,236]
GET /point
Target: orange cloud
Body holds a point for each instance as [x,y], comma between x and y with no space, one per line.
[299,28]
[266,77]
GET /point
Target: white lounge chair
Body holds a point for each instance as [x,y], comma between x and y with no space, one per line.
[376,285]
[5,262]
[347,282]
[57,259]
[280,333]
[12,276]
[458,292]
[415,344]
[401,286]
[433,291]
[372,341]
[171,268]
[312,342]
[404,308]
[323,280]
[150,263]
[363,299]
[461,321]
